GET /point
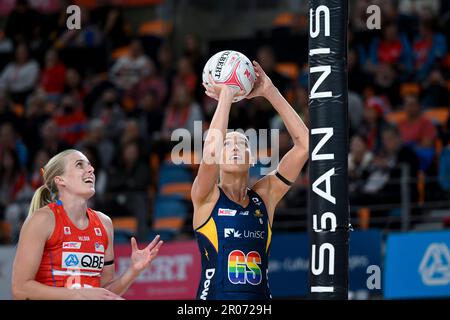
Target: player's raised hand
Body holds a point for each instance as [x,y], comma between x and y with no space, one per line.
[214,89]
[262,83]
[140,259]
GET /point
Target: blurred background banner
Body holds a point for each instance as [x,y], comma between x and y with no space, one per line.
[6,261]
[289,264]
[417,265]
[364,251]
[173,275]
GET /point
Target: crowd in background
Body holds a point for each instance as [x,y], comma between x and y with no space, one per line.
[122,116]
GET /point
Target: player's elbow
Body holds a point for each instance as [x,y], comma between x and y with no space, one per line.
[301,149]
[17,290]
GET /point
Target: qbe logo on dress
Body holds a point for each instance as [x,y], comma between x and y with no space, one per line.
[82,260]
[70,261]
[435,265]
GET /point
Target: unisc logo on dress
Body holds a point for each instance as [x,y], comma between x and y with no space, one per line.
[231,231]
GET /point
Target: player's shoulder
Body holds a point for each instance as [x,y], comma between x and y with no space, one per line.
[42,215]
[41,221]
[106,220]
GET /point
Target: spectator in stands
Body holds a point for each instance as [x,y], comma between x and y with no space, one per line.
[6,45]
[20,76]
[359,160]
[6,113]
[185,76]
[37,112]
[16,211]
[429,48]
[11,140]
[300,105]
[73,85]
[373,122]
[357,79]
[127,183]
[193,51]
[165,66]
[15,192]
[12,178]
[131,68]
[89,36]
[444,171]
[383,176]
[267,59]
[444,132]
[435,92]
[132,132]
[149,82]
[71,121]
[111,21]
[392,49]
[416,129]
[53,76]
[49,138]
[96,137]
[181,112]
[110,112]
[40,159]
[21,22]
[355,111]
[150,114]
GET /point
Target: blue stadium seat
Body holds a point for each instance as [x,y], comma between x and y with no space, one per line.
[122,236]
[171,173]
[169,215]
[169,206]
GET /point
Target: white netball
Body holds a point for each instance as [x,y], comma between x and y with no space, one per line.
[231,68]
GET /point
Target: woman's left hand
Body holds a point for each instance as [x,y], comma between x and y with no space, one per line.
[140,259]
[262,83]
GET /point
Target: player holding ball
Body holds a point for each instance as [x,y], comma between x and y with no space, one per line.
[232,220]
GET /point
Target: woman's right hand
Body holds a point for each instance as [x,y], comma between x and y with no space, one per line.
[215,90]
[96,294]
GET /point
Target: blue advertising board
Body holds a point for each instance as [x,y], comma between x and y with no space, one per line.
[289,262]
[417,265]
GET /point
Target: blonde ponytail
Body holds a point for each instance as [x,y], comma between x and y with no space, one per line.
[48,192]
[41,198]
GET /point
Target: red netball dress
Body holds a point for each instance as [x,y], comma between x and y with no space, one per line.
[73,258]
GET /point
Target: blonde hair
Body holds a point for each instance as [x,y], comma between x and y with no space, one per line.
[48,192]
[242,135]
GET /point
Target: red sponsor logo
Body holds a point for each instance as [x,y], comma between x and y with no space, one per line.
[71,245]
[227,212]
